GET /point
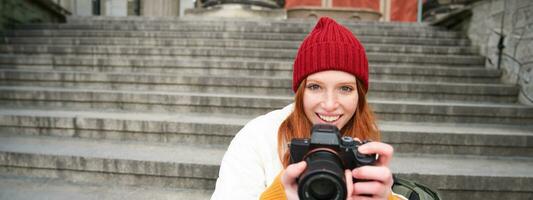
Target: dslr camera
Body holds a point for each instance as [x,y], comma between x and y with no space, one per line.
[327,155]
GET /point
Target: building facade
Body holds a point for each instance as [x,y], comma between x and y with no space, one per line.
[390,10]
[155,8]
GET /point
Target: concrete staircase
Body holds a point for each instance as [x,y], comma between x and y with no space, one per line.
[143,108]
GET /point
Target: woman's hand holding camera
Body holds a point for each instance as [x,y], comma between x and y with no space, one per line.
[289,179]
[376,180]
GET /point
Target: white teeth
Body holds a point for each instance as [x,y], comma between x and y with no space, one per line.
[329,118]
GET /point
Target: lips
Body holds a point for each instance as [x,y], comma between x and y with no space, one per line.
[329,118]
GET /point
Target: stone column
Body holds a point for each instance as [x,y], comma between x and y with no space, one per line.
[115,7]
[186,4]
[327,3]
[160,7]
[84,8]
[385,9]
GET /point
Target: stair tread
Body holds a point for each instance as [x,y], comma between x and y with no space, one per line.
[209,46]
[200,62]
[289,53]
[244,101]
[34,188]
[257,96]
[260,96]
[210,118]
[59,38]
[239,120]
[234,27]
[463,165]
[196,20]
[101,75]
[445,165]
[139,151]
[390,40]
[457,128]
[291,22]
[62,89]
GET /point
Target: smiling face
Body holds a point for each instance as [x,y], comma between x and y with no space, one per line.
[330,97]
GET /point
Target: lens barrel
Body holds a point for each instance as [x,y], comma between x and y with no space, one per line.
[323,178]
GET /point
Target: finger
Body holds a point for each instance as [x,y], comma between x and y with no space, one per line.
[292,172]
[370,188]
[373,173]
[364,198]
[384,151]
[349,182]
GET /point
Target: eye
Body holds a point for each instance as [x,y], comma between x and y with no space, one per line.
[313,86]
[346,89]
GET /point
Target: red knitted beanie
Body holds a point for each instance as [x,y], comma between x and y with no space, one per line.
[330,46]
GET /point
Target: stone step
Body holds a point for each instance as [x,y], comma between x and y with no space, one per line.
[227,66]
[278,52]
[253,105]
[36,188]
[111,45]
[458,138]
[360,30]
[398,71]
[468,177]
[218,130]
[240,21]
[160,136]
[112,162]
[184,21]
[253,85]
[456,177]
[214,130]
[219,35]
[435,74]
[231,53]
[221,42]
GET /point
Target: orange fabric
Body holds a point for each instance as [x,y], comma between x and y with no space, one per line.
[404,10]
[275,191]
[393,197]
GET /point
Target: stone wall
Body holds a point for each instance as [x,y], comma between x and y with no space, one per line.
[513,19]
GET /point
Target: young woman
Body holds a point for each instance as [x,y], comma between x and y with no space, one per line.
[330,80]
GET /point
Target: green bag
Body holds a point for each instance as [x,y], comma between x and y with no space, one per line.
[413,190]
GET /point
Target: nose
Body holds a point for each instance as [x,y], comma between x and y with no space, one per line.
[329,102]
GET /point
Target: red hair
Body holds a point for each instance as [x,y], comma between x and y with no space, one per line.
[362,125]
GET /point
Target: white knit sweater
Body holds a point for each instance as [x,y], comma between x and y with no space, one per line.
[251,162]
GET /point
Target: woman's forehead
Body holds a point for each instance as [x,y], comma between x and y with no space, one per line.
[332,75]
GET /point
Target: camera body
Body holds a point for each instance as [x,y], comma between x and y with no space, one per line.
[327,155]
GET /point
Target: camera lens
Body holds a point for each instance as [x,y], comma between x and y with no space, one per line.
[322,187]
[323,178]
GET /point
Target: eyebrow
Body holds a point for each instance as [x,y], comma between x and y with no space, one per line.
[349,82]
[341,83]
